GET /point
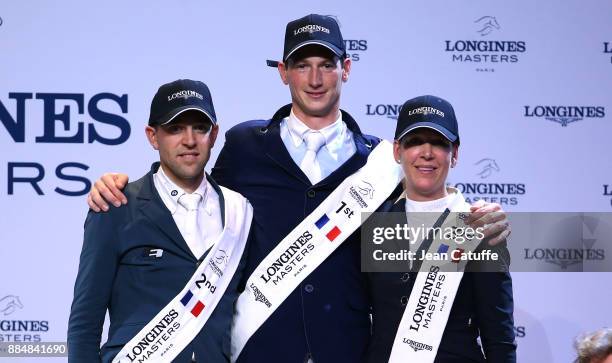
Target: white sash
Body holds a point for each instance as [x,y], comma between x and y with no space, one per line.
[312,241]
[175,326]
[424,320]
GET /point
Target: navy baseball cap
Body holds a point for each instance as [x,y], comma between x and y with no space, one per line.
[179,96]
[316,29]
[431,112]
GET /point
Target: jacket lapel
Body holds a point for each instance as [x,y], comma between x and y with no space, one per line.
[276,150]
[399,206]
[217,189]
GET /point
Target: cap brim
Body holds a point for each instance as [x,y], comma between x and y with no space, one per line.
[337,51]
[172,115]
[429,125]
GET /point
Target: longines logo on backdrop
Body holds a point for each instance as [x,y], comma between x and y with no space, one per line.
[487,167]
[573,243]
[354,47]
[564,115]
[388,110]
[607,47]
[486,25]
[607,192]
[16,330]
[491,191]
[9,304]
[106,125]
[520,331]
[564,257]
[485,53]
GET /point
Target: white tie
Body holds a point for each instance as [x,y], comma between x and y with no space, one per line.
[309,165]
[193,234]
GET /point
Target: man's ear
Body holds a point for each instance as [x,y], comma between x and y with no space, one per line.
[213,135]
[151,133]
[282,71]
[346,69]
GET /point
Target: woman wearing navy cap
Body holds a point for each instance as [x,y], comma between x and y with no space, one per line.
[415,318]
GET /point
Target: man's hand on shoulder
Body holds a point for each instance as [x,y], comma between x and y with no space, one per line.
[106,190]
[492,217]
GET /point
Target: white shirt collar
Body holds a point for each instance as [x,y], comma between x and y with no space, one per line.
[170,192]
[333,133]
[437,205]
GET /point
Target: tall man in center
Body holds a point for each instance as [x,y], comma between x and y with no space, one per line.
[286,167]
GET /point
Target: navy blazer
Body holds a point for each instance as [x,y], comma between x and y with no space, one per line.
[117,273]
[483,307]
[327,317]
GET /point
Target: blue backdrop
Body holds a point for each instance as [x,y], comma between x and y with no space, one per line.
[530,81]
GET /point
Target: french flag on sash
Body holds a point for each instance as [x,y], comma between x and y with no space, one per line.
[331,231]
[196,305]
[443,248]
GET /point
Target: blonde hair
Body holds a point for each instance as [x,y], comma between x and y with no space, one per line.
[594,347]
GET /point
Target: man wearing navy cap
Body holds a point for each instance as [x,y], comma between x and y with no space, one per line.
[286,166]
[138,257]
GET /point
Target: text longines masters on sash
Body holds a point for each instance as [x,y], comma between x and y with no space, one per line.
[286,262]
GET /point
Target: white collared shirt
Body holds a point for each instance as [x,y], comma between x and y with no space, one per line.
[437,205]
[339,143]
[424,214]
[209,210]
